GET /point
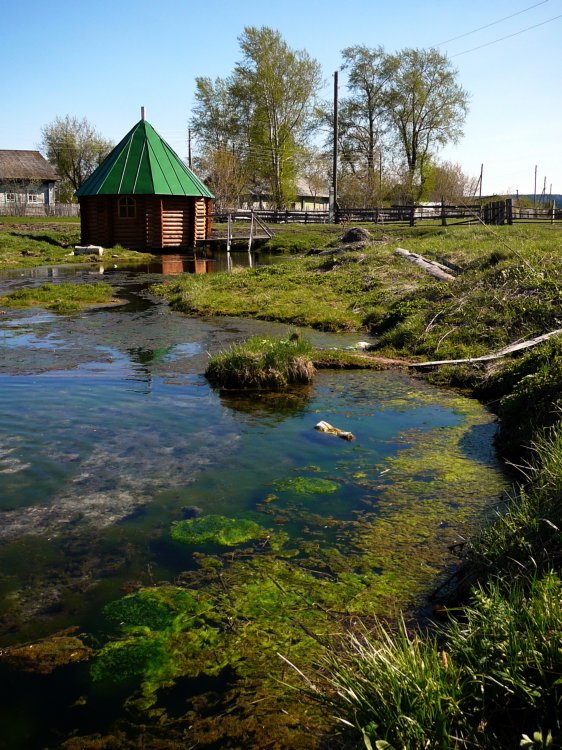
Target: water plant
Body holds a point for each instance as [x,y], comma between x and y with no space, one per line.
[488,679]
[216,529]
[260,363]
[306,485]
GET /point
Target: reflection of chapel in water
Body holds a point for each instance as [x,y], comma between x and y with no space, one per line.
[172,264]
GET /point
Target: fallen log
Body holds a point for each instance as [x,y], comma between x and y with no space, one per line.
[437,270]
[488,357]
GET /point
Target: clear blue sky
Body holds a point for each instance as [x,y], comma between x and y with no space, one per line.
[103,60]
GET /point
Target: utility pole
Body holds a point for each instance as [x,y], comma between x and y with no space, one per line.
[480,183]
[535,193]
[189,147]
[334,190]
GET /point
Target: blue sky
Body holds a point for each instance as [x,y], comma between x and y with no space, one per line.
[103,60]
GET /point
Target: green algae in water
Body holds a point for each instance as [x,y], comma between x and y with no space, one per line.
[154,608]
[306,485]
[218,530]
[132,657]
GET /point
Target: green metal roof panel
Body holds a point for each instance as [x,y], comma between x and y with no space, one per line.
[143,164]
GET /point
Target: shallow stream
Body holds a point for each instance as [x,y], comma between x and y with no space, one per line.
[110,438]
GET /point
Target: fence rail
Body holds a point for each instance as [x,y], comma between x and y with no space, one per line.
[492,212]
[40,209]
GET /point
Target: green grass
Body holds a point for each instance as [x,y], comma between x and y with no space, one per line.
[490,679]
[268,364]
[27,241]
[60,298]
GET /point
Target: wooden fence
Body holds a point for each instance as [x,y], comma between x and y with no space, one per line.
[490,212]
[40,209]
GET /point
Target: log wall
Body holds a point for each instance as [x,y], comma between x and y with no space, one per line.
[159,221]
[95,221]
[177,222]
[130,231]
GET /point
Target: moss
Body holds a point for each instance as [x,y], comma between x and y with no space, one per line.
[48,654]
[306,485]
[60,298]
[217,530]
[132,657]
[152,608]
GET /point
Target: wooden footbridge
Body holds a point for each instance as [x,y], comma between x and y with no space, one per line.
[256,230]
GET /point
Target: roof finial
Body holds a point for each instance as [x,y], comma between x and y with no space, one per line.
[142,113]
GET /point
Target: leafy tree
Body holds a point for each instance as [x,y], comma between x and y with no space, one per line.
[217,123]
[426,108]
[216,119]
[275,87]
[75,149]
[362,120]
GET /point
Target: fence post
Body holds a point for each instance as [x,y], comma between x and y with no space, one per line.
[553,212]
[413,215]
[509,210]
[443,213]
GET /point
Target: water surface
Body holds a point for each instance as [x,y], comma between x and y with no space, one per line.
[109,434]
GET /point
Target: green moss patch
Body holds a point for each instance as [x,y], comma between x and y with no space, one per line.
[152,608]
[217,530]
[306,485]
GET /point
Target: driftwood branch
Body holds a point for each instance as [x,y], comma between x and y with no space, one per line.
[438,270]
[487,357]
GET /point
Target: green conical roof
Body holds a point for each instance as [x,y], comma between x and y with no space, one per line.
[143,164]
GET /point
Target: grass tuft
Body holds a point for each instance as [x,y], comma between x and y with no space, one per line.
[263,364]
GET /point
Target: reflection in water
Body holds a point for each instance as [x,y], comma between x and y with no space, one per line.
[173,264]
[263,404]
[205,260]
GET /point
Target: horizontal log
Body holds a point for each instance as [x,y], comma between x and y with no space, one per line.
[496,355]
[431,267]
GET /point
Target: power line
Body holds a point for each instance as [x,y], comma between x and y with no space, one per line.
[487,26]
[509,36]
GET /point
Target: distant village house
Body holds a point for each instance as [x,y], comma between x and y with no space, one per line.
[306,198]
[27,182]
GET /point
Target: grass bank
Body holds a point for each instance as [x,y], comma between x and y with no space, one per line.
[29,241]
[59,298]
[491,676]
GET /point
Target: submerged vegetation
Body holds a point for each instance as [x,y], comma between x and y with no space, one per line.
[218,530]
[490,677]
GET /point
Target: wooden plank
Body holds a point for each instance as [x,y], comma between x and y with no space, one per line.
[489,357]
[431,267]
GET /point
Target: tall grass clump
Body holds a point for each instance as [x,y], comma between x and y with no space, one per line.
[263,364]
[527,533]
[394,690]
[489,679]
[508,647]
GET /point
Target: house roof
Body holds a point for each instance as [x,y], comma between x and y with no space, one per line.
[25,165]
[143,164]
